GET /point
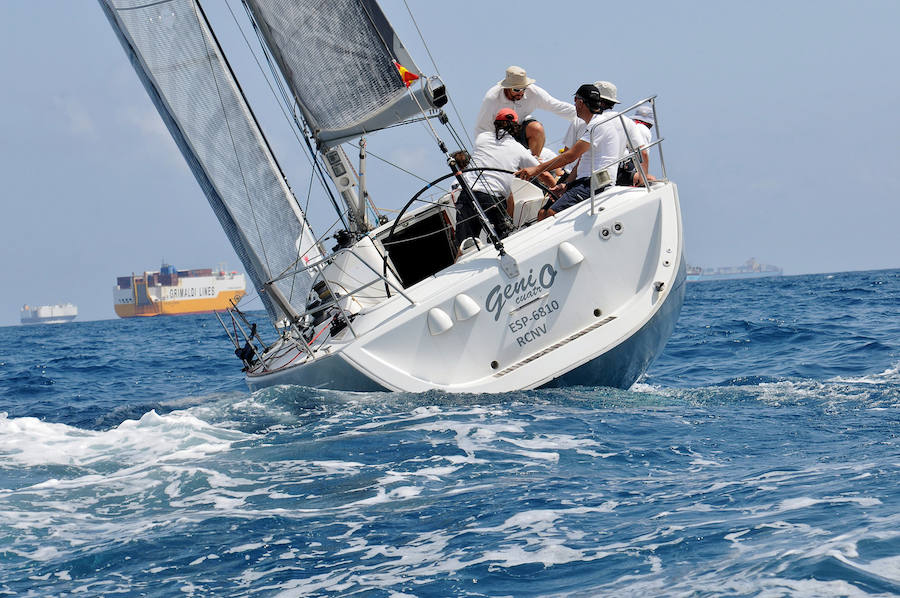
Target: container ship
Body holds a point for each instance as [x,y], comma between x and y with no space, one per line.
[48,314]
[171,292]
[750,269]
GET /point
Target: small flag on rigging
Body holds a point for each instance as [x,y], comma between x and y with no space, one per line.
[407,76]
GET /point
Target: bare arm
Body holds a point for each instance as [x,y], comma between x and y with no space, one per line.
[567,157]
[551,104]
[645,162]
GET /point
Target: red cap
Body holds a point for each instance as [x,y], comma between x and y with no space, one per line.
[507,114]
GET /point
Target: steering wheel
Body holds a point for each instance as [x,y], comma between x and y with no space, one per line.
[414,198]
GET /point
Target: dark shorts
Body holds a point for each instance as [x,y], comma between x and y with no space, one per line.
[469,225]
[575,193]
[625,178]
[520,137]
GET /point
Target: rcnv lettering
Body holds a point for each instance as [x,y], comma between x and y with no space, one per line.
[531,335]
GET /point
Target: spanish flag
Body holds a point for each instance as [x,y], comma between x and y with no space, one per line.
[407,76]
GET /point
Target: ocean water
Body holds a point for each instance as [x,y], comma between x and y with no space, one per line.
[760,456]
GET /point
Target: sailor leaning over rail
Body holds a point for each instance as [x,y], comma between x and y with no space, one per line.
[643,118]
[518,92]
[606,140]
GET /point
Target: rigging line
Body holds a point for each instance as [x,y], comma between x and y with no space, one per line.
[481,178]
[443,229]
[200,14]
[305,223]
[421,81]
[434,114]
[285,102]
[251,300]
[456,138]
[436,70]
[422,110]
[285,273]
[425,121]
[388,162]
[311,157]
[297,259]
[282,107]
[316,243]
[387,48]
[421,37]
[140,6]
[312,176]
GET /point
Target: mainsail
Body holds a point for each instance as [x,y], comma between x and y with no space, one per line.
[178,59]
[344,64]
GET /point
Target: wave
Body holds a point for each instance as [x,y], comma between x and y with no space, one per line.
[153,438]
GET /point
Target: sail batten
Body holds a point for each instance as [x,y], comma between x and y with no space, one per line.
[181,64]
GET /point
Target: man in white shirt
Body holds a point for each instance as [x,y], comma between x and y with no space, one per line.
[643,118]
[608,93]
[518,92]
[493,149]
[600,145]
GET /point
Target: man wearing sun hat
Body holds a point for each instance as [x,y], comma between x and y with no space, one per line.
[643,115]
[518,92]
[644,119]
[638,125]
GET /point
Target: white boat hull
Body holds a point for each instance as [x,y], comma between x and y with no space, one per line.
[48,314]
[56,320]
[596,299]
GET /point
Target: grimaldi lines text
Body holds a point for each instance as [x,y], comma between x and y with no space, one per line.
[172,292]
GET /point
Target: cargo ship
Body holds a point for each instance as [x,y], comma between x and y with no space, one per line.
[750,269]
[171,292]
[48,314]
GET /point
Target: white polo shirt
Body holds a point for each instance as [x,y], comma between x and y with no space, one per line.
[608,144]
[507,153]
[643,134]
[534,98]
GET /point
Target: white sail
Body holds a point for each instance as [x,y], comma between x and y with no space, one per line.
[340,59]
[178,59]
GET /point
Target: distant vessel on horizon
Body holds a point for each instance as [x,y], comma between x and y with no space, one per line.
[170,292]
[48,314]
[749,269]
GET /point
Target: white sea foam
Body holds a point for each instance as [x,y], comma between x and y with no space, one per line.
[30,442]
[554,554]
[889,375]
[804,502]
[552,441]
[46,553]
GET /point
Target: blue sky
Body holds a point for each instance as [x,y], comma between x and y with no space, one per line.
[775,116]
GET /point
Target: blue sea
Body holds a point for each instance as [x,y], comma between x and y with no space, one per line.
[759,456]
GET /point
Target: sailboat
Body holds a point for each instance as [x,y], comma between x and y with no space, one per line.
[588,297]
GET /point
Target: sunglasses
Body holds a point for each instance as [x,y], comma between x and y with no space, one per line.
[517,89]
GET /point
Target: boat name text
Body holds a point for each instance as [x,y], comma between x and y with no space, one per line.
[520,291]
